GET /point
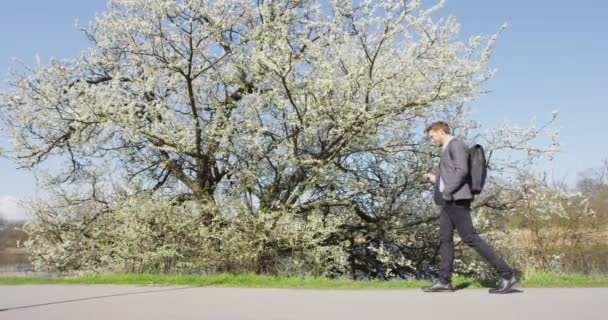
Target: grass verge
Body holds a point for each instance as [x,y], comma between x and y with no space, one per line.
[542,280]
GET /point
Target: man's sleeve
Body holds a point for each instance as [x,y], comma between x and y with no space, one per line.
[460,160]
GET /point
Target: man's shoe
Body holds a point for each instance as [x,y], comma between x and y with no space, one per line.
[438,286]
[505,285]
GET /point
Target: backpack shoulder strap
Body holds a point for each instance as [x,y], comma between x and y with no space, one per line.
[449,148]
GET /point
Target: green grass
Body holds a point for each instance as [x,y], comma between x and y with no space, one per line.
[230,280]
[552,280]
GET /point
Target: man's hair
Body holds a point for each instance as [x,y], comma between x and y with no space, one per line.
[438,125]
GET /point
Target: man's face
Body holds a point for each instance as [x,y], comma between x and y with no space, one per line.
[436,136]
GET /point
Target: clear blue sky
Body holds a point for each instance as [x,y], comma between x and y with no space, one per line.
[551,57]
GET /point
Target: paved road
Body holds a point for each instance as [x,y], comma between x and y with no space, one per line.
[91,302]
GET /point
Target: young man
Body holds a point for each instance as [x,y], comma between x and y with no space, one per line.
[453,194]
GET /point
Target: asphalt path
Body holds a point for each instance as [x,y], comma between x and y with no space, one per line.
[92,302]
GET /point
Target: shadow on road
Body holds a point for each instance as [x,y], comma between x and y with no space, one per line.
[98,297]
[485,284]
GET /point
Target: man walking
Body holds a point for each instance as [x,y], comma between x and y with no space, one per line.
[452,192]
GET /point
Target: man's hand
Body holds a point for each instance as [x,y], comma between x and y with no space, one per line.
[430,178]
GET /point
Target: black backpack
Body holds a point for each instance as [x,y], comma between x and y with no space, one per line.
[478,168]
